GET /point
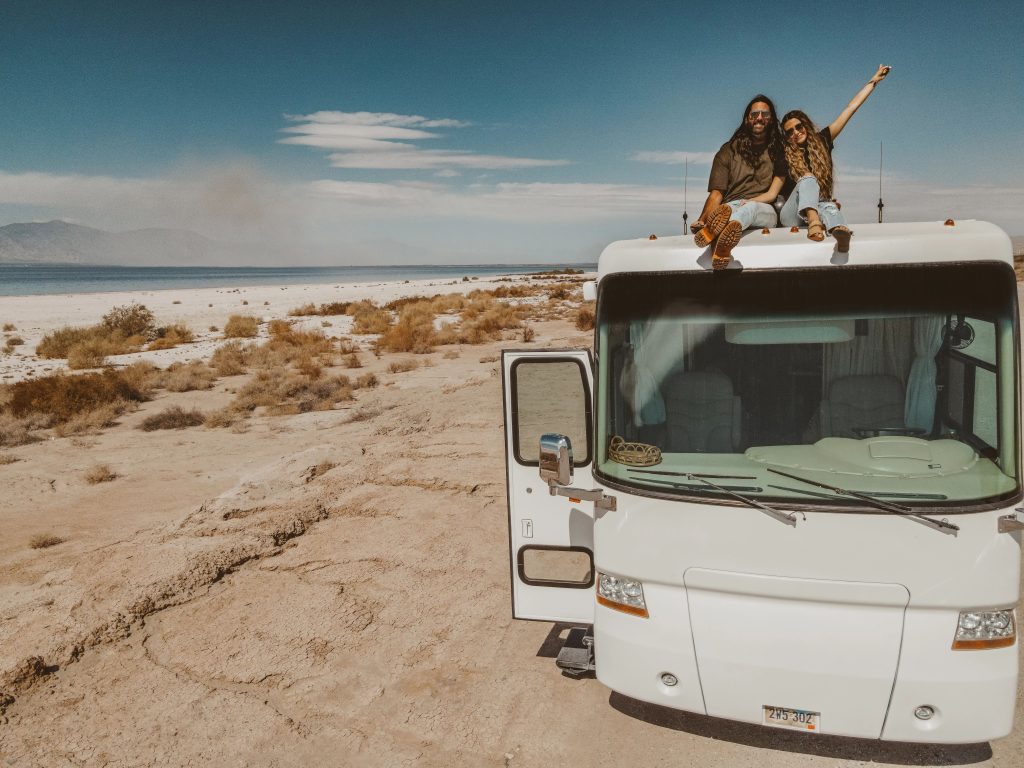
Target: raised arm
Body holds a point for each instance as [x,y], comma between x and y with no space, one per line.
[840,122]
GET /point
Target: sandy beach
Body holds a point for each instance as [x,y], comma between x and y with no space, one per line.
[328,587]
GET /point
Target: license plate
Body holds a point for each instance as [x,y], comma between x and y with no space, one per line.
[800,719]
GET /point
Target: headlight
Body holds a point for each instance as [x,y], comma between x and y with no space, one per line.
[626,595]
[977,630]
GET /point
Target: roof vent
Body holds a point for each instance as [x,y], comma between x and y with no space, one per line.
[950,223]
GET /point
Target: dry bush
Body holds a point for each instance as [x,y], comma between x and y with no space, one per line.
[401,366]
[44,540]
[325,323]
[284,391]
[413,332]
[11,342]
[277,328]
[528,334]
[451,354]
[176,301]
[186,377]
[213,329]
[585,318]
[18,431]
[489,359]
[241,327]
[367,317]
[229,359]
[309,366]
[225,417]
[303,311]
[364,414]
[172,418]
[485,319]
[7,458]
[60,397]
[101,473]
[332,308]
[171,336]
[352,361]
[142,376]
[88,354]
[396,305]
[346,346]
[130,320]
[367,381]
[92,421]
[9,327]
[245,302]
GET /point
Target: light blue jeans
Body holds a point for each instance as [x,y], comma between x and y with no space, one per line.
[806,195]
[750,214]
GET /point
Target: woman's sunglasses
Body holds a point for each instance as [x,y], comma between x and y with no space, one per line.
[798,128]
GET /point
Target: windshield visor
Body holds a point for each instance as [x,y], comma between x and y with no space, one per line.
[895,382]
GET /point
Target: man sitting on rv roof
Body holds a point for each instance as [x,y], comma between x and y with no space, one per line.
[746,176]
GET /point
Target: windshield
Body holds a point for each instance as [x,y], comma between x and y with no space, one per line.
[894,382]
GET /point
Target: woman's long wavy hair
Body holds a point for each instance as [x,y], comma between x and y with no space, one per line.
[817,151]
[742,137]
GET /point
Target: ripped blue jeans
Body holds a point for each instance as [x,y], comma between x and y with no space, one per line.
[752,214]
[806,195]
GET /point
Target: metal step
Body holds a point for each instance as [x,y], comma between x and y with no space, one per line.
[577,655]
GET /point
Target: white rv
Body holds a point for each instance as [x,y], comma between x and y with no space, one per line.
[784,493]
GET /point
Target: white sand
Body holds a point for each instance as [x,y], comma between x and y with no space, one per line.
[199,309]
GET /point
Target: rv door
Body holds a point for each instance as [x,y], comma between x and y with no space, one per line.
[551,538]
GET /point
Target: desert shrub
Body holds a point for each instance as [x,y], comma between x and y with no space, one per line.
[9,327]
[61,397]
[303,311]
[334,308]
[489,359]
[13,341]
[451,354]
[413,332]
[171,336]
[92,421]
[88,354]
[56,344]
[309,366]
[172,418]
[283,391]
[585,318]
[367,317]
[528,334]
[353,361]
[229,359]
[396,305]
[44,540]
[401,366]
[241,327]
[346,346]
[245,302]
[18,431]
[95,340]
[130,320]
[225,417]
[142,376]
[367,381]
[186,377]
[7,458]
[278,328]
[325,323]
[100,473]
[213,329]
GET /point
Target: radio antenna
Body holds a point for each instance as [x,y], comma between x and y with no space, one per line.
[881,205]
[686,180]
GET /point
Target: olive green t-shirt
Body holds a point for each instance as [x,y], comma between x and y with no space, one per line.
[736,179]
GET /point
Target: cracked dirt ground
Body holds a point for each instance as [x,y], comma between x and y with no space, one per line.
[220,605]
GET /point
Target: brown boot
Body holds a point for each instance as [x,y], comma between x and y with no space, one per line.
[721,255]
[713,226]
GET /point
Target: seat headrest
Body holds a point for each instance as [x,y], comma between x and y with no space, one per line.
[700,386]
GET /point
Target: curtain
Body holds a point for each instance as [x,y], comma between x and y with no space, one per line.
[919,411]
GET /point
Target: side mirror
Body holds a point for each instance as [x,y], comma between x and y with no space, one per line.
[555,459]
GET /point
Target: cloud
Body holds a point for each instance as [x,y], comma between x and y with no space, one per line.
[674,158]
[381,141]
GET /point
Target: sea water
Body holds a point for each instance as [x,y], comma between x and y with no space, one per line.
[39,279]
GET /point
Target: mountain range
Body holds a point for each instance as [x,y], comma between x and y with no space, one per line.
[60,242]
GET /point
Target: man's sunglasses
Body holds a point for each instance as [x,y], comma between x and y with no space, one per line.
[756,113]
[798,128]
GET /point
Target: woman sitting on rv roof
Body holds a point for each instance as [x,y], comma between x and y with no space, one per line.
[809,155]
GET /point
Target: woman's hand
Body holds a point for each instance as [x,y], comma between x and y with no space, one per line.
[883,70]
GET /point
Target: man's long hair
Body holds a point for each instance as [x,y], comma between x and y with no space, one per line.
[743,138]
[817,151]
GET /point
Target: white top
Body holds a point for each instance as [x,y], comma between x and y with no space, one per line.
[908,243]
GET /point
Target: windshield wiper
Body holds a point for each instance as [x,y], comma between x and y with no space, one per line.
[887,506]
[783,517]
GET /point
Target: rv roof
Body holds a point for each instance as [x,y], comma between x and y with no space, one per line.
[908,243]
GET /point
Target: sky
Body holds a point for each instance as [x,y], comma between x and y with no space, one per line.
[467,132]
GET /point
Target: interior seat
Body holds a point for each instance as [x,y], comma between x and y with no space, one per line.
[861,402]
[702,415]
